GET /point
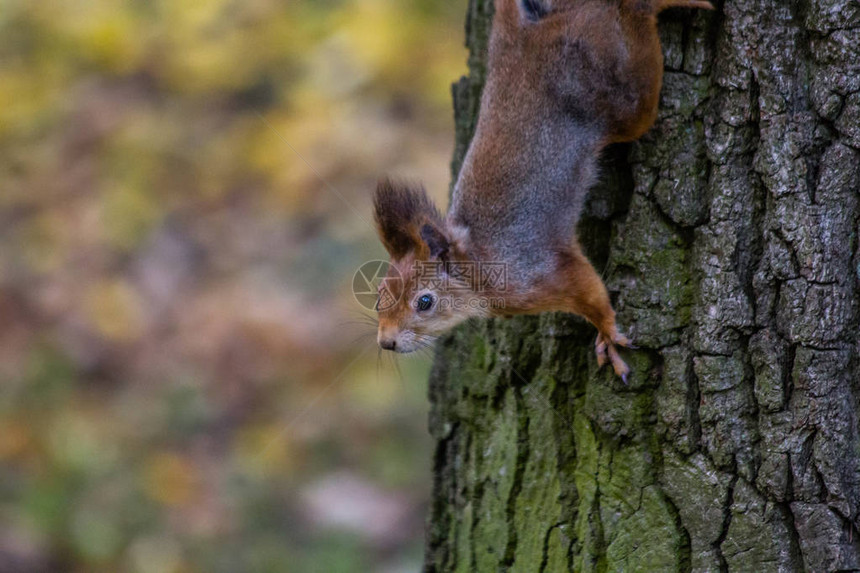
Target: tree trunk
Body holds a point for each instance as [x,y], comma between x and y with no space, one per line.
[728,237]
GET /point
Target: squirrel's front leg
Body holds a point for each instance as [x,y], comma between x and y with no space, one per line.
[586,296]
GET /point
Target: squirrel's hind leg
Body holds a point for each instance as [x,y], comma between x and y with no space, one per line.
[585,295]
[641,75]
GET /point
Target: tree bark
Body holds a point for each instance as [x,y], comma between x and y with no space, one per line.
[728,236]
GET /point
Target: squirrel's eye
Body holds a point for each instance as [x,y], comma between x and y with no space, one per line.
[424,302]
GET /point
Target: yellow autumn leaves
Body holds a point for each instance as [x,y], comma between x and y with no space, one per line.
[173,271]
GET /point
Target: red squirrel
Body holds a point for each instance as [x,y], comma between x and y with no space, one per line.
[565,79]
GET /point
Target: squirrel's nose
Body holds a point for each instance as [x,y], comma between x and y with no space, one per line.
[388,344]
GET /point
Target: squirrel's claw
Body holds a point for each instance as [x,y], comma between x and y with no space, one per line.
[621,340]
[621,369]
[600,350]
[607,352]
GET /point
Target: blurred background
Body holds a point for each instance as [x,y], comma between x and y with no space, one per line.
[186,381]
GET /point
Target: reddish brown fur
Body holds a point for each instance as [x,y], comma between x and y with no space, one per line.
[564,80]
[399,213]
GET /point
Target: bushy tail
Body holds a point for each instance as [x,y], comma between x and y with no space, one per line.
[663,4]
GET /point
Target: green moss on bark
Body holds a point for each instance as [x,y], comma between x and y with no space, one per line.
[728,237]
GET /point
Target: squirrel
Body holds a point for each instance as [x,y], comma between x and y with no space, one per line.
[565,78]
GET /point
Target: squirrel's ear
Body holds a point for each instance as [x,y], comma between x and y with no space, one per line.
[514,13]
[436,241]
[400,212]
[534,10]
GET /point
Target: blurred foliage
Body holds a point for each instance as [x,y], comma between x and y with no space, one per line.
[185,196]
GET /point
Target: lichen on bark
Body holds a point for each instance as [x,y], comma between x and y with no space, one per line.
[728,237]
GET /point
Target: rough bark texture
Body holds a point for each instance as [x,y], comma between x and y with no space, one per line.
[729,237]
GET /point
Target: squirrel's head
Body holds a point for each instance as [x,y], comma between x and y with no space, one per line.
[422,296]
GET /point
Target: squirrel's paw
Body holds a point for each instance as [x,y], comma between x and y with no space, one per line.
[607,351]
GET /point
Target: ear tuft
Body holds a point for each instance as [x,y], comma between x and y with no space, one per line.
[534,10]
[436,241]
[400,211]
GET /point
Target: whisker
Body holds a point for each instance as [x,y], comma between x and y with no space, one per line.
[426,341]
[357,323]
[396,364]
[427,352]
[359,320]
[362,338]
[352,316]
